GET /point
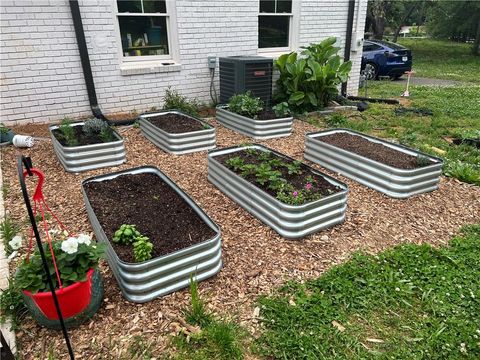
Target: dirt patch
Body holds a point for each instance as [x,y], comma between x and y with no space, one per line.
[121,117]
[207,112]
[176,123]
[35,130]
[298,181]
[158,212]
[374,151]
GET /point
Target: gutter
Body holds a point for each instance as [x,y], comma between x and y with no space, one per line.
[348,39]
[87,69]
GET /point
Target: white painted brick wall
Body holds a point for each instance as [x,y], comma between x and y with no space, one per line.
[41,77]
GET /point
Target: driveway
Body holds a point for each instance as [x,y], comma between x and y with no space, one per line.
[426,81]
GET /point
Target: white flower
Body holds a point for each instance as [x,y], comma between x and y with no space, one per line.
[16,242]
[84,239]
[70,246]
[53,232]
[12,255]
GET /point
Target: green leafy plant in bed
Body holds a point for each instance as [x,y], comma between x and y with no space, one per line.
[282,110]
[246,105]
[267,171]
[129,235]
[173,100]
[410,302]
[67,132]
[100,128]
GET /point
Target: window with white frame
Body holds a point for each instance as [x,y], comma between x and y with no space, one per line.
[275,25]
[145,31]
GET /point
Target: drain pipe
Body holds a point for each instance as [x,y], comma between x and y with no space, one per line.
[348,38]
[87,69]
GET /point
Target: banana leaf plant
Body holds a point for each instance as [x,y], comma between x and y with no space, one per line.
[310,80]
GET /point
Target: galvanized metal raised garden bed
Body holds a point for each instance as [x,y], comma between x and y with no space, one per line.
[181,143]
[142,282]
[394,182]
[89,157]
[288,220]
[257,129]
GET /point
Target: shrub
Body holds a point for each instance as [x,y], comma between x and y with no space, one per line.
[174,100]
[309,82]
[245,104]
[93,126]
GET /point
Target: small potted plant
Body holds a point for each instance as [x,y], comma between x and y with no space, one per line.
[74,274]
[248,115]
[6,134]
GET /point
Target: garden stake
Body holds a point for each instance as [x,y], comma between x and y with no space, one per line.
[30,171]
[406,93]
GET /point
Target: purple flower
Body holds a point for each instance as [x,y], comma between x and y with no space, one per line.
[308,186]
[295,194]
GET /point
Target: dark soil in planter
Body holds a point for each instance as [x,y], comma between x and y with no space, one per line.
[176,123]
[298,181]
[82,138]
[154,207]
[374,151]
[267,115]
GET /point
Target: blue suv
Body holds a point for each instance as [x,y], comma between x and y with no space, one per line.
[382,58]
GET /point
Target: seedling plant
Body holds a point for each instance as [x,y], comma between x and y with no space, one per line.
[129,235]
[272,172]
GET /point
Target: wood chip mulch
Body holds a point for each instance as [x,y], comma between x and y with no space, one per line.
[256,259]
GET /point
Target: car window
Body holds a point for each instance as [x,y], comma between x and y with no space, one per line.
[391,45]
[371,47]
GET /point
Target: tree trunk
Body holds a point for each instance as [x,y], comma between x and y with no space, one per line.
[404,19]
[379,28]
[476,44]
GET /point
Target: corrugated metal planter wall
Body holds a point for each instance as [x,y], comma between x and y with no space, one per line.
[289,221]
[141,282]
[257,129]
[89,157]
[394,182]
[181,143]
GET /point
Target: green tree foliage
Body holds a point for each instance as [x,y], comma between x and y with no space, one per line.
[456,20]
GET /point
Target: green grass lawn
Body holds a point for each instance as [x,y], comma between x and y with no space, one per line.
[411,302]
[456,111]
[443,60]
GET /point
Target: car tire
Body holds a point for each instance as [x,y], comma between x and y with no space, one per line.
[371,71]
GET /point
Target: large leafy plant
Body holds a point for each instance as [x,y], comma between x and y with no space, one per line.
[307,82]
[246,105]
[74,257]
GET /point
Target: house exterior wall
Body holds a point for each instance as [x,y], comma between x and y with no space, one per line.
[41,77]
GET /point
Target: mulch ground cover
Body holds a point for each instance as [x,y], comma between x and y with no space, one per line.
[372,150]
[175,123]
[256,259]
[158,212]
